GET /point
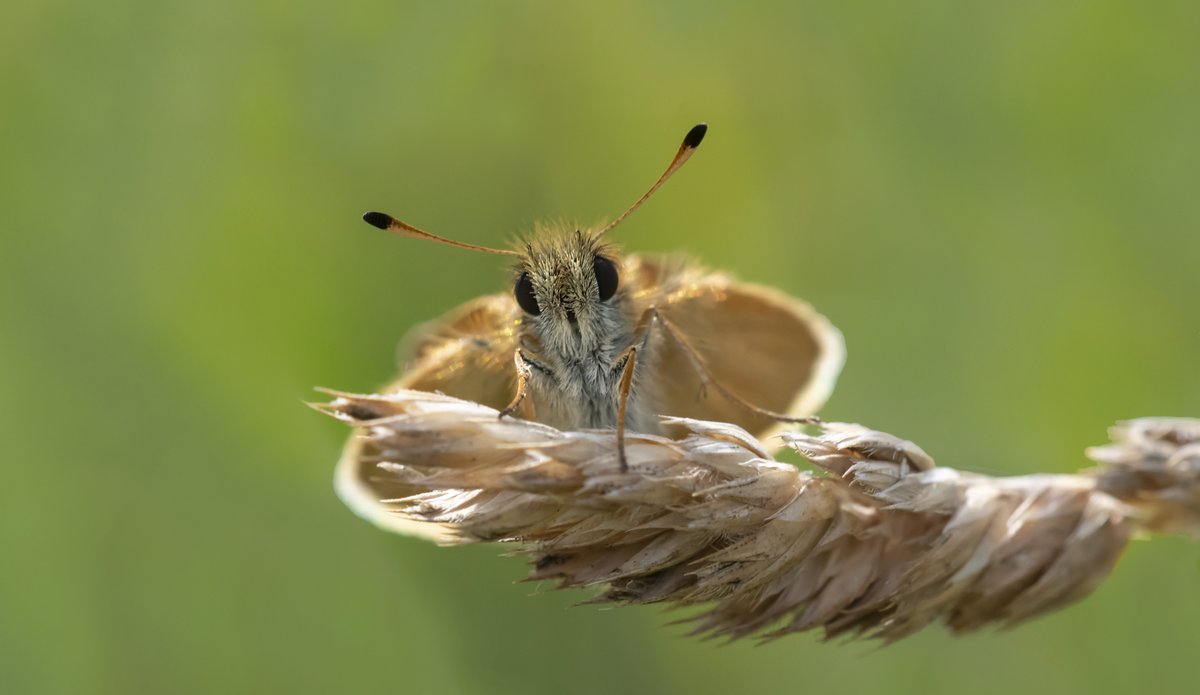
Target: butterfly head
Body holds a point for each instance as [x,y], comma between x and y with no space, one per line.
[567,285]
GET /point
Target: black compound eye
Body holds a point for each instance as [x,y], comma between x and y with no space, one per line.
[606,277]
[524,294]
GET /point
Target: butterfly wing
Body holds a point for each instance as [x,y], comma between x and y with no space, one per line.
[772,350]
[468,353]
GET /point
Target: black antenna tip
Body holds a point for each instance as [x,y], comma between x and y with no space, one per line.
[694,136]
[378,219]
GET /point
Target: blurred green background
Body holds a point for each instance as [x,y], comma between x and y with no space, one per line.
[996,202]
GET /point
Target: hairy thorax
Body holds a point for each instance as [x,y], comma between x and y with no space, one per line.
[575,372]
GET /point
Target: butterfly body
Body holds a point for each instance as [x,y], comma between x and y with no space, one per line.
[575,345]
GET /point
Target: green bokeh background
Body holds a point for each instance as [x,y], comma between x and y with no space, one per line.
[996,202]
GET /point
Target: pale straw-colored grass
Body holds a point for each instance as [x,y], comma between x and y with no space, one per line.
[877,541]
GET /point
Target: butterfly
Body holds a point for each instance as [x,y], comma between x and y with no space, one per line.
[589,338]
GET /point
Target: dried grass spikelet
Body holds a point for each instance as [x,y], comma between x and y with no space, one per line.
[881,543]
[1153,465]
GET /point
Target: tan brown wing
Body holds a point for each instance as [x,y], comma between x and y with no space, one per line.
[468,353]
[771,349]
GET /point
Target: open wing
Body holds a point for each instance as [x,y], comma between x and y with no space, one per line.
[772,350]
[468,353]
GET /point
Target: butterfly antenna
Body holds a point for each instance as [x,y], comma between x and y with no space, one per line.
[690,142]
[390,224]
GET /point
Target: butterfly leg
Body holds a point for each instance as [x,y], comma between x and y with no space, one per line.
[706,377]
[625,386]
[522,384]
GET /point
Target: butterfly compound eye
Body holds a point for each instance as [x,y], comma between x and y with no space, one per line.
[606,277]
[524,294]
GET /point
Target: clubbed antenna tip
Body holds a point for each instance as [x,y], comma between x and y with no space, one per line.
[377,219]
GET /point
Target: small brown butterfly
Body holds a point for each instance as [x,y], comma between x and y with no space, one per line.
[590,339]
